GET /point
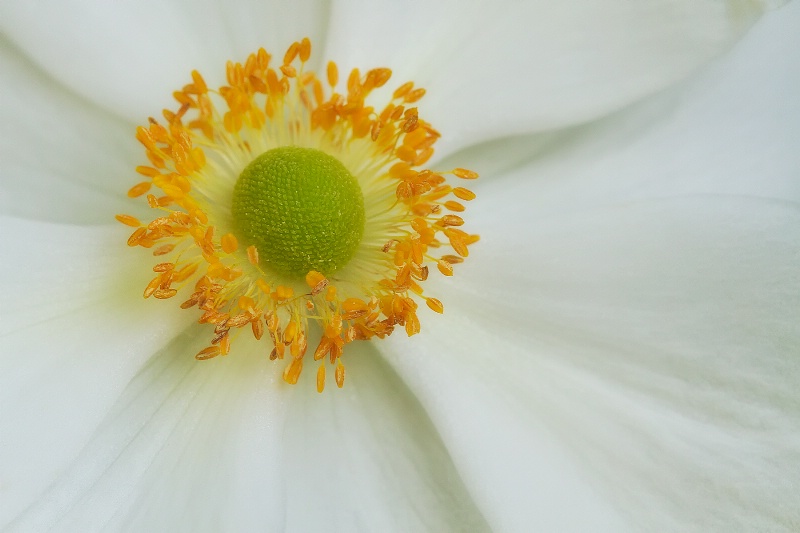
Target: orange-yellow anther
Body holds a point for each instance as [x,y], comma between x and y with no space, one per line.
[229,243]
[330,293]
[137,236]
[334,327]
[305,49]
[252,254]
[258,328]
[354,304]
[384,147]
[444,267]
[321,378]
[378,77]
[454,206]
[403,90]
[465,174]
[139,189]
[225,344]
[323,348]
[199,82]
[283,292]
[164,249]
[291,331]
[340,374]
[333,74]
[314,279]
[292,371]
[435,304]
[452,220]
[263,286]
[464,194]
[128,220]
[291,53]
[414,96]
[208,353]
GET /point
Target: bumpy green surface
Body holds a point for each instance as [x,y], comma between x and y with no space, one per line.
[301,208]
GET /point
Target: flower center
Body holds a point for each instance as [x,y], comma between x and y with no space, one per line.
[302,210]
[285,199]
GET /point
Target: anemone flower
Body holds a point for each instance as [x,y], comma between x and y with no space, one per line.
[618,353]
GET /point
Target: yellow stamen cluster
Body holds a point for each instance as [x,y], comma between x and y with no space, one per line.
[196,156]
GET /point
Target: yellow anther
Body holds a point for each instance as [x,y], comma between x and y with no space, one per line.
[194,156]
[321,378]
[229,243]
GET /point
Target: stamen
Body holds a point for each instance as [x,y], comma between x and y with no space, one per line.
[194,159]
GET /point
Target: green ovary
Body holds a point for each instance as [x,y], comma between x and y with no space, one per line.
[302,210]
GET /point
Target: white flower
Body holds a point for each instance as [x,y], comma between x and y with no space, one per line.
[620,353]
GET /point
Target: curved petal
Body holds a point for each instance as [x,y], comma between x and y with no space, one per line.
[61,159]
[64,356]
[494,69]
[647,351]
[628,322]
[162,458]
[129,57]
[369,458]
[54,269]
[183,450]
[730,130]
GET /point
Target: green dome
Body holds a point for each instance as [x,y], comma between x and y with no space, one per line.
[302,210]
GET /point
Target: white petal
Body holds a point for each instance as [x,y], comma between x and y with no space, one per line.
[129,57]
[494,69]
[501,437]
[61,159]
[164,457]
[638,336]
[730,130]
[655,343]
[72,337]
[226,445]
[369,459]
[52,269]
